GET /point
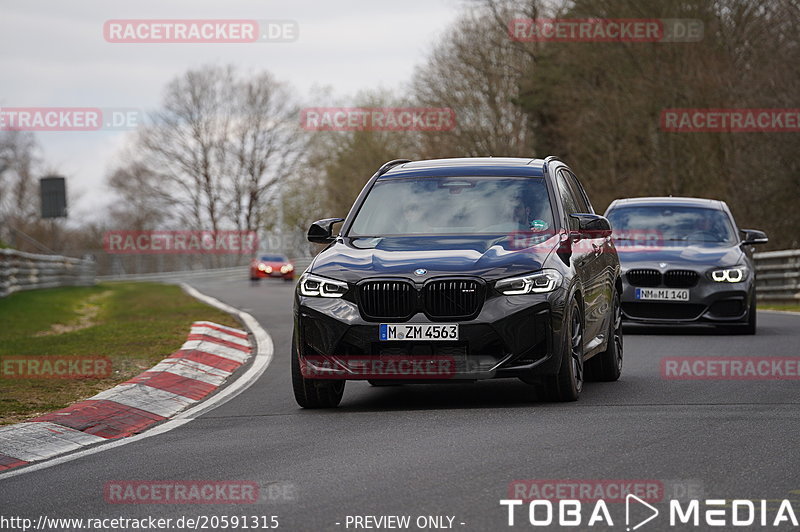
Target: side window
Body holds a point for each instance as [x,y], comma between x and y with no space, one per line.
[581,198]
[567,199]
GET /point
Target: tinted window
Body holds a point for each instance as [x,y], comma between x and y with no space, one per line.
[453,205]
[273,258]
[581,199]
[567,198]
[674,223]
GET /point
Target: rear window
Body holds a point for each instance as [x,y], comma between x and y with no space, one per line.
[454,205]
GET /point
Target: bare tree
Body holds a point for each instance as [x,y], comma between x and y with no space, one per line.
[19,187]
[186,145]
[265,144]
[219,144]
[476,70]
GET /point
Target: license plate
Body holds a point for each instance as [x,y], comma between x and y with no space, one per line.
[662,294]
[418,331]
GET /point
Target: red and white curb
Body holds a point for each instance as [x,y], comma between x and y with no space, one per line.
[210,355]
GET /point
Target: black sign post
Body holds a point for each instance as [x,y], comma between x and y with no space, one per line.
[54,197]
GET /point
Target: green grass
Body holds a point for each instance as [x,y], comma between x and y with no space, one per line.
[134,324]
[789,308]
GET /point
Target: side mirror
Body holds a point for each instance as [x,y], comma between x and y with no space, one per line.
[321,231]
[592,225]
[754,236]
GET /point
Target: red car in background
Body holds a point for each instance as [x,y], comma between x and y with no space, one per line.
[271,266]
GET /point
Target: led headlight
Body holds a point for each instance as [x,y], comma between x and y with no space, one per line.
[316,286]
[534,283]
[729,275]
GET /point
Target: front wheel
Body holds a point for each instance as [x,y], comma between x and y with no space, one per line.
[567,384]
[607,366]
[314,393]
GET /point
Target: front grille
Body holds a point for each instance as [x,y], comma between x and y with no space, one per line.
[387,299]
[458,298]
[644,277]
[666,311]
[680,278]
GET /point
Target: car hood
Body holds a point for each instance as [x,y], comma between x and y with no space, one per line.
[695,257]
[489,257]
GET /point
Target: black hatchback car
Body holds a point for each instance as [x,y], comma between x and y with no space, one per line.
[461,270]
[685,261]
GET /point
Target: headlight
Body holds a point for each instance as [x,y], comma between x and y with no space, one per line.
[730,275]
[534,283]
[286,268]
[262,267]
[316,286]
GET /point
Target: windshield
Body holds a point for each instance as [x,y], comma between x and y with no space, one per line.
[273,258]
[454,205]
[673,223]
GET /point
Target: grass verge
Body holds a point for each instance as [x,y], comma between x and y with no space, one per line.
[787,308]
[133,324]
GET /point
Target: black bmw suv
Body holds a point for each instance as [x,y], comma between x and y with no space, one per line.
[461,270]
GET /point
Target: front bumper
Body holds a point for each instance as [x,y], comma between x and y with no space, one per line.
[260,274]
[709,302]
[512,336]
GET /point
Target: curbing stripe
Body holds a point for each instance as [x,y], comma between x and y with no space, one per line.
[213,333]
[37,441]
[221,328]
[106,419]
[219,341]
[192,370]
[215,349]
[147,398]
[215,361]
[7,462]
[177,384]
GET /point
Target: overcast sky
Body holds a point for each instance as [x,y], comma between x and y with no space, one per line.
[54,55]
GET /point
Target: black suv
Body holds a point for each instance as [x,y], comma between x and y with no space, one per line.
[460,270]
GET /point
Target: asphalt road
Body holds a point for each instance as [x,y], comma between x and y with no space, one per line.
[452,450]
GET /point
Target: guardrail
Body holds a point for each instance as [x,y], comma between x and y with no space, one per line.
[235,272]
[28,271]
[778,276]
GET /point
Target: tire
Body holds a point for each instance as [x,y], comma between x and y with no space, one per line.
[607,366]
[567,384]
[314,393]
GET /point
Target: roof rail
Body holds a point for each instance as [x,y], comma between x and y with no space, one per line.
[388,166]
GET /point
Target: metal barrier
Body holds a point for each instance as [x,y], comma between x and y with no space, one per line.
[28,271]
[236,272]
[778,276]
